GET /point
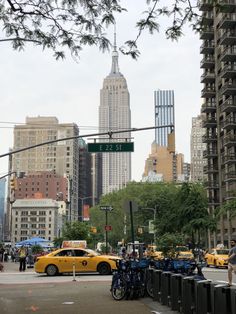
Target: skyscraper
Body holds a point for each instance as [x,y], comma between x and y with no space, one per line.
[164,115]
[219,107]
[198,163]
[60,157]
[114,114]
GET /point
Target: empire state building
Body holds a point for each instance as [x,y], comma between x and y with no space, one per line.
[114,115]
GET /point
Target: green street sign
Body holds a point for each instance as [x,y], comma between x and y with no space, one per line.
[111,147]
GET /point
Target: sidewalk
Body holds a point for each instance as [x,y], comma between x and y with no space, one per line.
[12,267]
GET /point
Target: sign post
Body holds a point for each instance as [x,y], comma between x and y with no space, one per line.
[106,208]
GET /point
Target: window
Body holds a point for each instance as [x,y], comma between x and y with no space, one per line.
[80,253]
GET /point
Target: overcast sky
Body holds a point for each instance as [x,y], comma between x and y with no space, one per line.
[33,83]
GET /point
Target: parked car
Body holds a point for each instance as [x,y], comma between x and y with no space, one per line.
[82,260]
[217,257]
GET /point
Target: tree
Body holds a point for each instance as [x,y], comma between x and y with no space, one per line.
[73,24]
[193,217]
[228,209]
[75,230]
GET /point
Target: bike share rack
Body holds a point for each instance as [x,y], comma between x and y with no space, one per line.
[189,295]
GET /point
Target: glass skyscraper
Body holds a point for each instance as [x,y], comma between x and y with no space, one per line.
[164,115]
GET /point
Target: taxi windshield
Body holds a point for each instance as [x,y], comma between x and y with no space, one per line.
[222,252]
[182,249]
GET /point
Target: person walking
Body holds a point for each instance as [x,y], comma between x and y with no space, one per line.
[232,261]
[22,258]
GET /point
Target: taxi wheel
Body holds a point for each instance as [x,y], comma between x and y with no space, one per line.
[104,269]
[51,270]
[215,264]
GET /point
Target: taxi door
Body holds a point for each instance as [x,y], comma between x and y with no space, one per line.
[83,262]
[65,260]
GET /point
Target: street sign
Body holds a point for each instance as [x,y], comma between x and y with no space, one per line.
[126,205]
[108,208]
[108,228]
[117,147]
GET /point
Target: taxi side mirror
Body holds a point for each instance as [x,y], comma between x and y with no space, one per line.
[90,255]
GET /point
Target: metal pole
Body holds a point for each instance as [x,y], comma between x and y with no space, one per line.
[132,226]
[74,271]
[106,233]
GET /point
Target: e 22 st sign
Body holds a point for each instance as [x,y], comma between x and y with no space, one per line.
[111,147]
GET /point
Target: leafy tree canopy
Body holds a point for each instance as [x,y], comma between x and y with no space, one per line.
[75,230]
[73,24]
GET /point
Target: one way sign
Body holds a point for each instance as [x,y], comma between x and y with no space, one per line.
[108,208]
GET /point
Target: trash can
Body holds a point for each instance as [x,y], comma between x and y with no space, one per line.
[165,287]
[188,295]
[203,297]
[157,285]
[176,291]
[222,303]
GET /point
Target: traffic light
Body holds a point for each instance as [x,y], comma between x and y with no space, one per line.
[93,229]
[140,230]
[13,184]
[171,142]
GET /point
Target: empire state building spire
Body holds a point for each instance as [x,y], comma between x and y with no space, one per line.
[115,66]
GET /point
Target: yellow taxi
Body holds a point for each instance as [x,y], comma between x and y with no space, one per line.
[217,257]
[82,260]
[182,252]
[152,252]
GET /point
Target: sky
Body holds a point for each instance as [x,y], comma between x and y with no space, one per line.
[33,83]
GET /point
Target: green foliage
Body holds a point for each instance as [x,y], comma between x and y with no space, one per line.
[58,241]
[75,230]
[229,207]
[36,249]
[59,24]
[168,242]
[179,209]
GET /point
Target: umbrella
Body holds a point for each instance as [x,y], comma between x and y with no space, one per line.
[32,241]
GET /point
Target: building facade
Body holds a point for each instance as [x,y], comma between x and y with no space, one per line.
[219,93]
[2,205]
[85,179]
[114,115]
[164,115]
[163,165]
[197,146]
[60,157]
[34,217]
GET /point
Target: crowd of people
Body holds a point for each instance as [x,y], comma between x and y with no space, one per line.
[22,255]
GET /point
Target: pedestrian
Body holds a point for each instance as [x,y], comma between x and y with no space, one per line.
[22,258]
[232,261]
[2,250]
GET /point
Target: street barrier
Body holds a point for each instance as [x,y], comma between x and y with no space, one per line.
[176,292]
[165,287]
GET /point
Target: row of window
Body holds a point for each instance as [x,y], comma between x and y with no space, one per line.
[35,212]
